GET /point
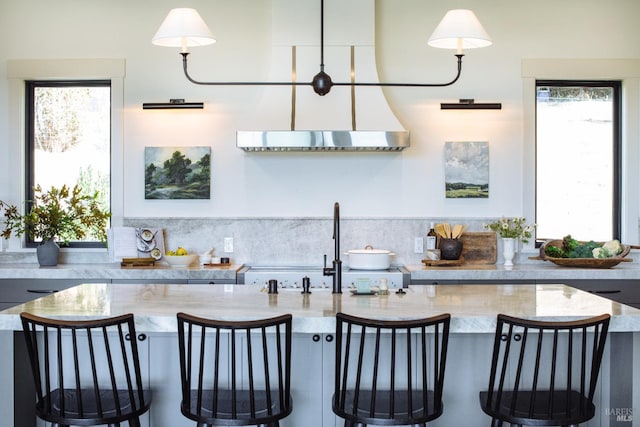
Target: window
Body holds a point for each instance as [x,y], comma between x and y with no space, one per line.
[68,138]
[578,159]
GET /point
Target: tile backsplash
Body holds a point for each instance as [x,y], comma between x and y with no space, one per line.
[277,241]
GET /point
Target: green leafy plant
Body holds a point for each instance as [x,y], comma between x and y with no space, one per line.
[512,228]
[58,214]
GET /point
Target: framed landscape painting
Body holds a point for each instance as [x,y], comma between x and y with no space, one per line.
[466,169]
[177,172]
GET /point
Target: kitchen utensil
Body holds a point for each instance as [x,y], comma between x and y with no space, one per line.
[440,230]
[458,229]
[479,247]
[137,262]
[369,259]
[443,262]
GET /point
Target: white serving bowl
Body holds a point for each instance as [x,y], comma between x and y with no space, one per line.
[180,260]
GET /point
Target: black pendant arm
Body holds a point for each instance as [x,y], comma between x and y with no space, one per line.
[455,79]
[197,82]
[321,83]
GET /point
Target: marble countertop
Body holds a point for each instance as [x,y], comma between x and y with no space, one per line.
[539,270]
[533,271]
[115,271]
[473,307]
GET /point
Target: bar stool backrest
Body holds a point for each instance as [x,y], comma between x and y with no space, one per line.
[390,372]
[545,370]
[86,372]
[235,372]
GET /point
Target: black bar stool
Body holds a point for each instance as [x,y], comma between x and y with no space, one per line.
[544,373]
[86,372]
[389,372]
[235,373]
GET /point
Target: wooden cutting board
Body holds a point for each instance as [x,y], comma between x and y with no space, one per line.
[480,247]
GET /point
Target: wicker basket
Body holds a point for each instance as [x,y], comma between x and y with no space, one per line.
[583,262]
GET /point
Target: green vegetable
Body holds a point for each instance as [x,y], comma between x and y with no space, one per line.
[571,248]
[569,243]
[554,251]
[584,250]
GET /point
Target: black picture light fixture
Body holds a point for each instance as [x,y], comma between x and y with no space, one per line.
[174,103]
[470,104]
[459,29]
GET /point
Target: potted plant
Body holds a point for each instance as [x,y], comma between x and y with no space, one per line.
[510,230]
[59,214]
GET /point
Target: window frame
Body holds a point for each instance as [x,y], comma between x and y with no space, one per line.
[616,86]
[625,70]
[20,70]
[30,86]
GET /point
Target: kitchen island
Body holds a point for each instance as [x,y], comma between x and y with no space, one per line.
[473,309]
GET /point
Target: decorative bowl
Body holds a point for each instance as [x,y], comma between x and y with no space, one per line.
[180,260]
[583,262]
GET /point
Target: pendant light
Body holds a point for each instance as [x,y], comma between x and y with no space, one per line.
[184,28]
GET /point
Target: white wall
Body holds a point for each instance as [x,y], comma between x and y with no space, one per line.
[406,184]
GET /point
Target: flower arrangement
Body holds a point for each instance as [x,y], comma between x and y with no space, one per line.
[512,228]
[65,214]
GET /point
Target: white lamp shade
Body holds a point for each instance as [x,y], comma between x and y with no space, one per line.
[459,29]
[183,27]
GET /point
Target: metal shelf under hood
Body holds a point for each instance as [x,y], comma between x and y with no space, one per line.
[322,140]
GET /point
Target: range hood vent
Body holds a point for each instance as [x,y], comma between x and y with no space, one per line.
[315,123]
[322,140]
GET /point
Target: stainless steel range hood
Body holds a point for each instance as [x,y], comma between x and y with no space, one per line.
[322,140]
[344,120]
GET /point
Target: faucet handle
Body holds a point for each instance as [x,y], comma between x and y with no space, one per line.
[327,271]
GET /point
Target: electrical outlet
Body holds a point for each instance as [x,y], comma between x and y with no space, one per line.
[418,245]
[228,244]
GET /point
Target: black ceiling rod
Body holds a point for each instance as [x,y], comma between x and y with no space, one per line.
[322,81]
